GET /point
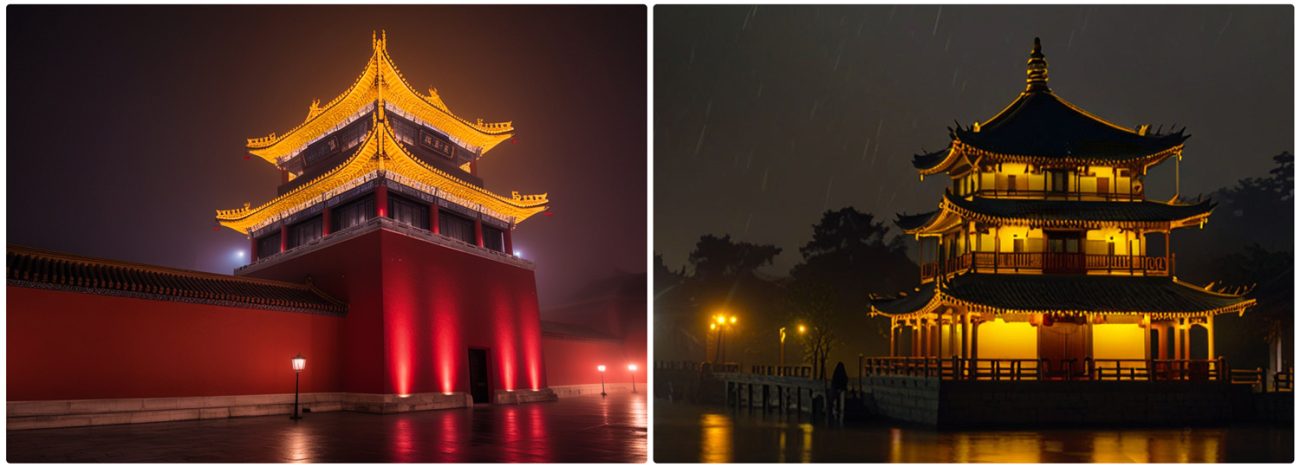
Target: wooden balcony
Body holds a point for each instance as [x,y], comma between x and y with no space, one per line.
[1087,369]
[1048,263]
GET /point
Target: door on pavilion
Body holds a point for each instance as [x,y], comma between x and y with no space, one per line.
[478,376]
[1064,252]
[1063,347]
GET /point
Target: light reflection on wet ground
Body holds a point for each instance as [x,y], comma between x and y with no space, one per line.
[692,433]
[577,429]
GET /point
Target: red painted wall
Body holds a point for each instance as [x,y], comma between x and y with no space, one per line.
[416,308]
[67,345]
[572,360]
[348,271]
[440,302]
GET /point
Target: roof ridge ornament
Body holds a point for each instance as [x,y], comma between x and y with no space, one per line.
[1036,74]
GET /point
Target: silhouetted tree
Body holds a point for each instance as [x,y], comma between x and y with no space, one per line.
[719,257]
[855,256]
[811,303]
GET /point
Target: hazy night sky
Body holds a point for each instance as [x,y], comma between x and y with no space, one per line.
[127,125]
[767,116]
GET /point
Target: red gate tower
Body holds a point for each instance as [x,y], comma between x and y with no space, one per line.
[382,207]
[1038,252]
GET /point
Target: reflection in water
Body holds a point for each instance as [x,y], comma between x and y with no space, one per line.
[716,447]
[296,445]
[449,434]
[770,438]
[805,454]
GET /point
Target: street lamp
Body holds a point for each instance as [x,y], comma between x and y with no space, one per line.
[601,369]
[631,368]
[721,322]
[299,362]
[801,328]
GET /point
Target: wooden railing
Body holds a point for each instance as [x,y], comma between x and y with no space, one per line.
[999,262]
[792,371]
[1284,380]
[1087,369]
[1055,195]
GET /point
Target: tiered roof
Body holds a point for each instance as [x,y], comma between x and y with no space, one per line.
[1040,127]
[1162,297]
[381,81]
[1039,213]
[30,267]
[381,89]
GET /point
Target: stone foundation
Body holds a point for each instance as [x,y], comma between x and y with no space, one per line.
[950,404]
[587,389]
[28,415]
[524,396]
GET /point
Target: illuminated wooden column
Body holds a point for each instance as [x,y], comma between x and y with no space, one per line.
[952,333]
[252,248]
[434,225]
[1146,337]
[510,246]
[381,200]
[916,338]
[326,217]
[478,230]
[284,236]
[1209,336]
[965,334]
[893,328]
[1178,338]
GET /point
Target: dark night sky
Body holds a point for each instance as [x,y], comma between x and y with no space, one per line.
[767,116]
[127,124]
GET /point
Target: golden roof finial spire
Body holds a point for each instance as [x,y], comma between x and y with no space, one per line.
[1036,74]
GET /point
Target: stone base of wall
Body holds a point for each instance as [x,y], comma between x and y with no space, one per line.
[956,404]
[29,415]
[392,403]
[904,398]
[587,389]
[524,396]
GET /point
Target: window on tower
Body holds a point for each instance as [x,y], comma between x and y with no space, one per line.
[408,212]
[456,226]
[494,238]
[305,232]
[268,245]
[353,213]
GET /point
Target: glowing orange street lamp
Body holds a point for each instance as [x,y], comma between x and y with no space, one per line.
[601,369]
[631,368]
[721,322]
[802,329]
[299,362]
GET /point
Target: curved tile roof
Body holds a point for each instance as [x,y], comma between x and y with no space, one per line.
[30,267]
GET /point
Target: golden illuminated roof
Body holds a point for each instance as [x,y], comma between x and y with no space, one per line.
[381,81]
[955,210]
[1161,297]
[382,155]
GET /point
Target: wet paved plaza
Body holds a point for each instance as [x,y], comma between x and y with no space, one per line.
[575,429]
[693,433]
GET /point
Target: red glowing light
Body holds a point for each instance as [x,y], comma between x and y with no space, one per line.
[600,368]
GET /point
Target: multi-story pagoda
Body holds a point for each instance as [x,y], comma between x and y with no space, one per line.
[1039,248]
[381,205]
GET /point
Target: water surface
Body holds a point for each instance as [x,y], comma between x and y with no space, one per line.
[694,433]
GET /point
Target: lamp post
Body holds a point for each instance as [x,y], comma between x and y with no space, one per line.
[601,369]
[299,362]
[721,322]
[631,368]
[801,329]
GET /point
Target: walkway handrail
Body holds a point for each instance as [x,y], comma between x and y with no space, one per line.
[1029,369]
